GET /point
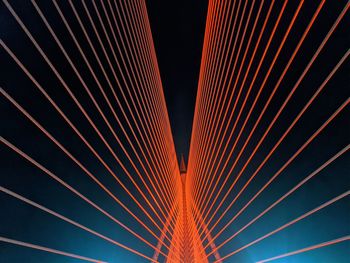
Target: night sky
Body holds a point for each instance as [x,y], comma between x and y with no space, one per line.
[178,32]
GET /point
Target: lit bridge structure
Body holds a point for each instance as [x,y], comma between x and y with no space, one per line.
[269,143]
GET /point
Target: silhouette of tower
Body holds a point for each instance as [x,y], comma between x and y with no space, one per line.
[183,169]
[187,243]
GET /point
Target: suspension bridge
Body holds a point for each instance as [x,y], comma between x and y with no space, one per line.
[261,138]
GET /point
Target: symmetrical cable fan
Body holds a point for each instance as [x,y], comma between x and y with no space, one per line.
[90,158]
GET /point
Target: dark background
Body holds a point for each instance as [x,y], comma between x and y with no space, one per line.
[178,28]
[178,32]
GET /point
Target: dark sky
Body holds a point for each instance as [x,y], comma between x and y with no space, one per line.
[178,32]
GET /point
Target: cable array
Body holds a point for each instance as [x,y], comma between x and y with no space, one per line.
[121,82]
[250,51]
[90,67]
